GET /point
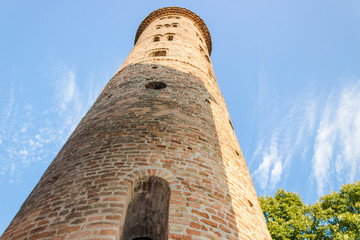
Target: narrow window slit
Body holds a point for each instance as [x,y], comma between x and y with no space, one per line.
[210,73]
[207,58]
[231,125]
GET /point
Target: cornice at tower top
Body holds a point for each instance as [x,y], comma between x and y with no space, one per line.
[176,11]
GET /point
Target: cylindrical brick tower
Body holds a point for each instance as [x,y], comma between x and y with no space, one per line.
[156,156]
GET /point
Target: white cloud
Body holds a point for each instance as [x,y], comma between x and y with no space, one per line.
[320,130]
[270,163]
[29,137]
[66,90]
[10,104]
[12,169]
[24,152]
[276,173]
[291,134]
[336,151]
[323,149]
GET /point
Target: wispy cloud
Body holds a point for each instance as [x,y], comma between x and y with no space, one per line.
[270,161]
[33,137]
[66,90]
[288,138]
[336,150]
[319,132]
[276,173]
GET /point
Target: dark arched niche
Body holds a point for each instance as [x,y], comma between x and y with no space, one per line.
[148,211]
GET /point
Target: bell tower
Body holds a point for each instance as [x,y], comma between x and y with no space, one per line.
[156,156]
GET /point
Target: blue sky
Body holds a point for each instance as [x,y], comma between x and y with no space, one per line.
[289,72]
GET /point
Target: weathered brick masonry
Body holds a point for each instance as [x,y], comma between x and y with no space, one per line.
[159,133]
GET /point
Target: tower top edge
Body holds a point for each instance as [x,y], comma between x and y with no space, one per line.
[166,11]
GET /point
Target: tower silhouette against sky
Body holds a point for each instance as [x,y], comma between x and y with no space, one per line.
[156,156]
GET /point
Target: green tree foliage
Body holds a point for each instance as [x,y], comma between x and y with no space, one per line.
[286,215]
[341,212]
[334,216]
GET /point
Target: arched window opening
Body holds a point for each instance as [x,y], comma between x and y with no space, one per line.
[170,38]
[158,26]
[167,25]
[175,25]
[148,211]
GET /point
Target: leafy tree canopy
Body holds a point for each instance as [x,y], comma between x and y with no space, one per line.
[334,216]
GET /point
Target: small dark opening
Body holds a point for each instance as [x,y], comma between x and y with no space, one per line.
[207,58]
[142,238]
[160,53]
[231,124]
[250,203]
[156,39]
[155,85]
[154,67]
[170,37]
[210,73]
